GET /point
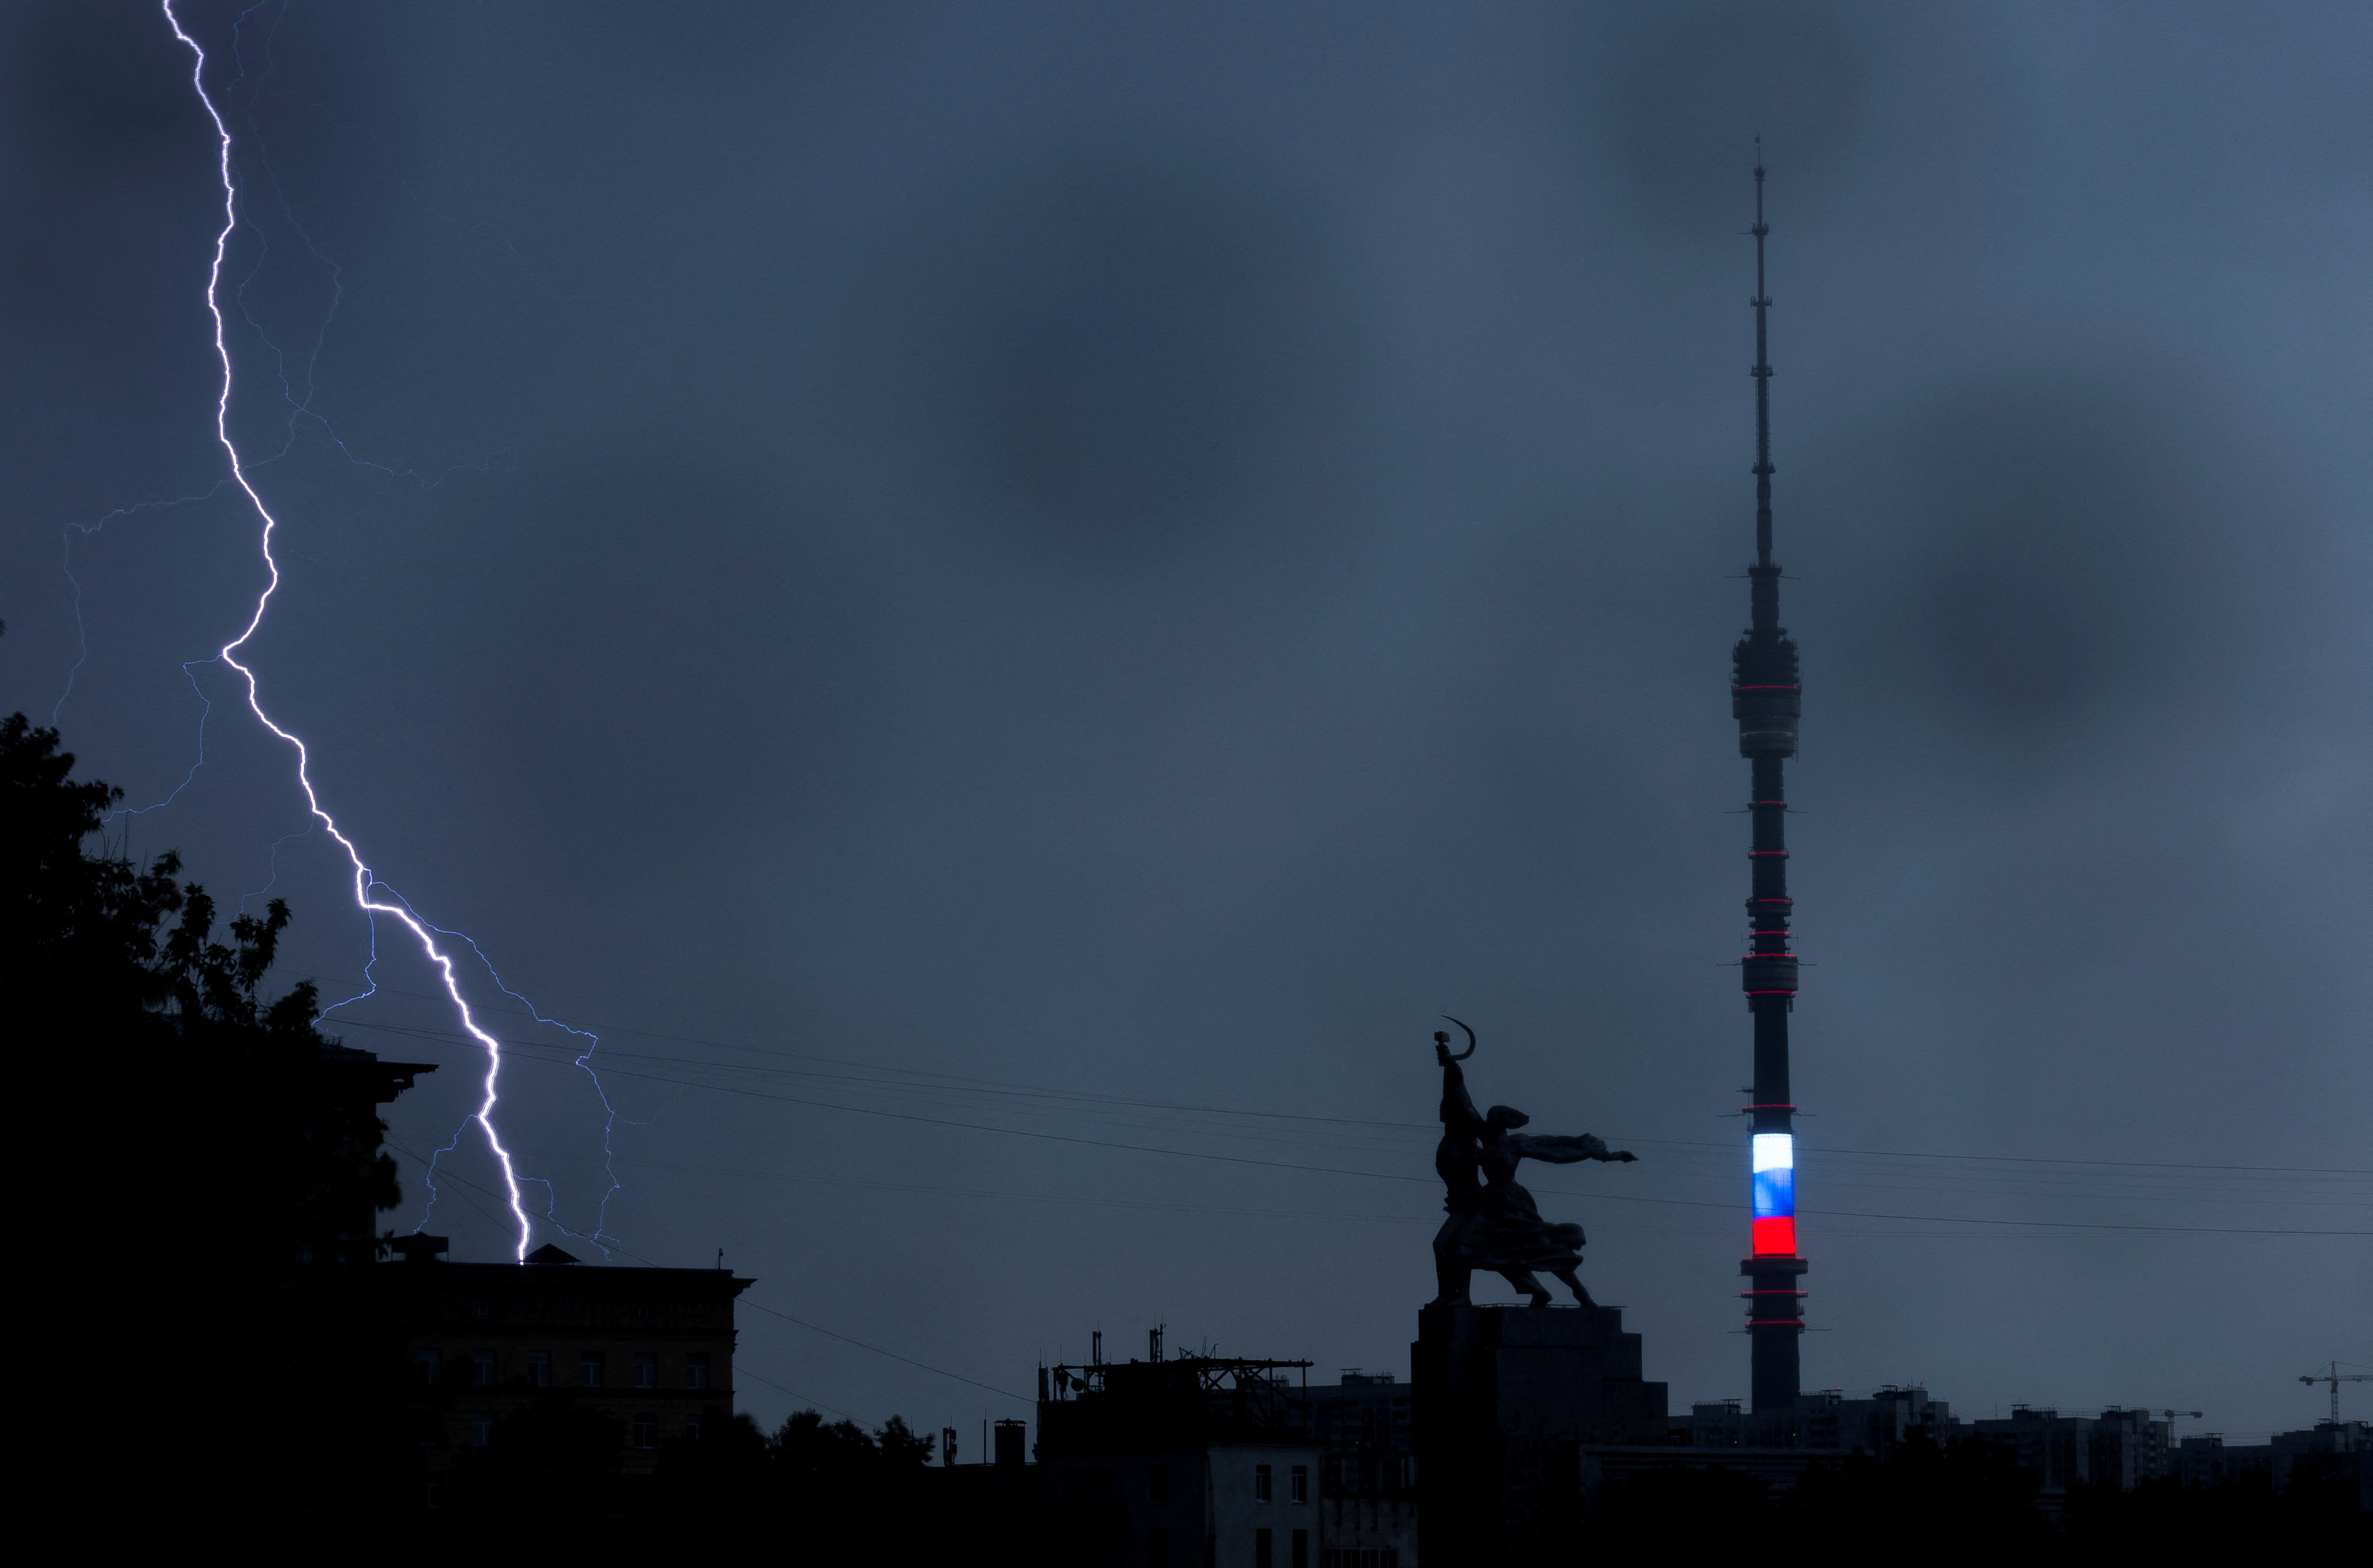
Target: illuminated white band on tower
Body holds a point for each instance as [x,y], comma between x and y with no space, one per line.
[1774,1220]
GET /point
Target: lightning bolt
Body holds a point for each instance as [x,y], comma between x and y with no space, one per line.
[372,896]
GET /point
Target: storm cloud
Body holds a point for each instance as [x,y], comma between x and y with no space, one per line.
[931,570]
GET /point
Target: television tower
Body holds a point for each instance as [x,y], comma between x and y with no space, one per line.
[1766,697]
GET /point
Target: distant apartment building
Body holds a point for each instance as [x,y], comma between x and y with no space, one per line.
[1713,1424]
[1878,1425]
[2337,1451]
[2119,1448]
[1188,1462]
[2341,1450]
[648,1351]
[1367,1474]
[1824,1420]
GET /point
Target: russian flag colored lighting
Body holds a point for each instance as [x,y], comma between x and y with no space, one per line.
[1774,1224]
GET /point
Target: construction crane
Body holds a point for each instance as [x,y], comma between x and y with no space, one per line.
[2173,1416]
[2333,1375]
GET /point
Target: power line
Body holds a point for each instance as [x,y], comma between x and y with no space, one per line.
[1007,1086]
[1397,1218]
[1028,1090]
[1385,1176]
[1217,1208]
[2133,1164]
[816,1328]
[894,1355]
[2257,1199]
[740,1371]
[1031,1197]
[557,1056]
[994,1085]
[430,1167]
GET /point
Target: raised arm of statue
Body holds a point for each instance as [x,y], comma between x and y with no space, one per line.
[1564,1151]
[1459,1112]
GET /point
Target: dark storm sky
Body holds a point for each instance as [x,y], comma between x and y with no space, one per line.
[900,559]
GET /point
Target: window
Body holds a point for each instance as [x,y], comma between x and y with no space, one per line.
[1301,1555]
[1100,1485]
[696,1370]
[429,1367]
[1157,1549]
[1302,1491]
[482,1369]
[691,1426]
[588,1369]
[644,1432]
[642,1315]
[478,1309]
[1261,1492]
[539,1369]
[1157,1483]
[1071,1487]
[428,1428]
[1264,1550]
[646,1370]
[481,1428]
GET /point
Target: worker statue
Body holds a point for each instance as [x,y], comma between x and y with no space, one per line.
[1493,1222]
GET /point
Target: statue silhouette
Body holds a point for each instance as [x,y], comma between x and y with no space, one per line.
[1493,1223]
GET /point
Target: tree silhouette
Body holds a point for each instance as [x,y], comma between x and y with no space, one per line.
[227,1176]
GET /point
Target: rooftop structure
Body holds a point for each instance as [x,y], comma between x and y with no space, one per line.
[1181,1459]
[646,1353]
[342,1099]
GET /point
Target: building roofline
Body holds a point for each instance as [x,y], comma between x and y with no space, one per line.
[579,1273]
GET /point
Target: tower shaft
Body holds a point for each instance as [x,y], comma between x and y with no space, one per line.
[1767,698]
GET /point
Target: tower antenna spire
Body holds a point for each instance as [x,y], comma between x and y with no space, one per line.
[1767,698]
[1762,374]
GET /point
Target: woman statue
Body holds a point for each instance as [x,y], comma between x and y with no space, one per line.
[1494,1222]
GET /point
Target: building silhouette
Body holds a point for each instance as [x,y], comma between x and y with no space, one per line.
[1367,1469]
[646,1353]
[1180,1460]
[342,1105]
[2118,1448]
[2341,1450]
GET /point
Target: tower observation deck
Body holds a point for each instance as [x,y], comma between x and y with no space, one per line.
[1767,697]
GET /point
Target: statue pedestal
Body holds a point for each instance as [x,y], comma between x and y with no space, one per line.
[1503,1401]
